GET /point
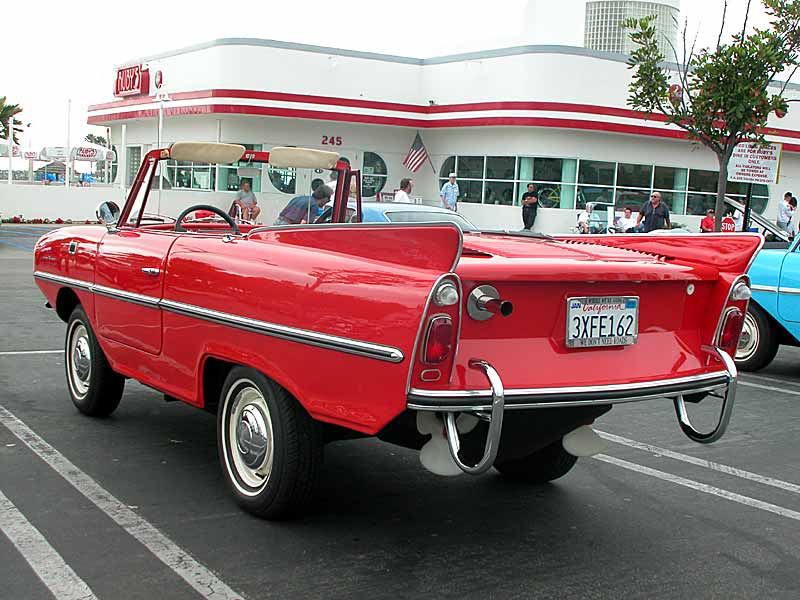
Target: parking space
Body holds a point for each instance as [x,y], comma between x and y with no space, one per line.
[135,506]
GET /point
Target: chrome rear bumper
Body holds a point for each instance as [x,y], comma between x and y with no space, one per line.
[492,403]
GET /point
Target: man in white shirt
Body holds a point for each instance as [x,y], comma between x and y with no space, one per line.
[784,212]
[402,195]
[584,218]
[626,222]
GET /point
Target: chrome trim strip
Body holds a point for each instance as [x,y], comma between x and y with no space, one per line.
[789,290]
[83,285]
[764,288]
[563,404]
[587,389]
[303,336]
[126,296]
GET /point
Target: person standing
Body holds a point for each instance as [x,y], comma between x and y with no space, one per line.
[530,204]
[785,212]
[449,193]
[654,213]
[402,195]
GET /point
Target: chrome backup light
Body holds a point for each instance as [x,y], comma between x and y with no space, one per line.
[446,294]
[741,291]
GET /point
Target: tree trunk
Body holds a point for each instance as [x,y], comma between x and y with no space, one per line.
[722,185]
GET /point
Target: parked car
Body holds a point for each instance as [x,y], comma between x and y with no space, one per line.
[480,349]
[773,316]
[399,212]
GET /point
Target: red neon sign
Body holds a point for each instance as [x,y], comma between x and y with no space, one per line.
[132,81]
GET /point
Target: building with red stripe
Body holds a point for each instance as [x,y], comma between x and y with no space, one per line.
[552,115]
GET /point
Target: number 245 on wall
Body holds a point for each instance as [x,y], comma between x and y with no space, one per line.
[331,140]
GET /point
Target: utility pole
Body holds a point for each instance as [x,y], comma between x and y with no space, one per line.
[68,161]
[10,142]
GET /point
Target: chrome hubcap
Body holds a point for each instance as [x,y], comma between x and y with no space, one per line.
[749,340]
[251,437]
[250,441]
[79,360]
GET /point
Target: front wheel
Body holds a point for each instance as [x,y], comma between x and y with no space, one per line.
[95,388]
[546,464]
[270,449]
[758,343]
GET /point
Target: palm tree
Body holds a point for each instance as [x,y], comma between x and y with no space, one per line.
[8,112]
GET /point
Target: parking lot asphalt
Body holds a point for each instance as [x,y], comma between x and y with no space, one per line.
[134,506]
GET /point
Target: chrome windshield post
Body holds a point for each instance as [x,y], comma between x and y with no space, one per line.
[725,410]
[495,423]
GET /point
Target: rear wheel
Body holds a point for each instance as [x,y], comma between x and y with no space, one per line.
[758,343]
[95,388]
[546,464]
[269,448]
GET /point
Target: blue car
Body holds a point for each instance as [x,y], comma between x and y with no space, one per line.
[773,316]
[398,212]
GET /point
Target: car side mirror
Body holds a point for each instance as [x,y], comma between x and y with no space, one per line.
[108,213]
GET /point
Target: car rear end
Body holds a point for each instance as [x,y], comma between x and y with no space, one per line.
[580,325]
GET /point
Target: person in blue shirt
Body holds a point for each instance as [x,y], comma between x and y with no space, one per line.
[305,209]
[449,193]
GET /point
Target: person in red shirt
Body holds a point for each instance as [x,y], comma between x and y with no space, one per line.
[707,224]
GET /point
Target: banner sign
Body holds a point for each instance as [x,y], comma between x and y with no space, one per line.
[132,81]
[755,163]
[53,153]
[92,154]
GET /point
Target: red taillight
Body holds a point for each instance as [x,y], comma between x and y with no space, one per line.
[731,330]
[439,340]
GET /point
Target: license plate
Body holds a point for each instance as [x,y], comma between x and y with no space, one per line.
[598,321]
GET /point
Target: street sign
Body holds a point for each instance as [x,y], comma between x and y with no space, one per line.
[728,224]
[755,163]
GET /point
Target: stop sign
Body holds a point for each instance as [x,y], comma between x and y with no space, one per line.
[728,224]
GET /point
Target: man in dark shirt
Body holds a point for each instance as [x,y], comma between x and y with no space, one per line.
[304,209]
[530,204]
[654,213]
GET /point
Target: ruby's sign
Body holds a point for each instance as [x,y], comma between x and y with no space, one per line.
[132,81]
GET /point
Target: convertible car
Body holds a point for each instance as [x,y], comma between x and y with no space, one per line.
[480,349]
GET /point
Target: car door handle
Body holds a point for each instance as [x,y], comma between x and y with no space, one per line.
[152,271]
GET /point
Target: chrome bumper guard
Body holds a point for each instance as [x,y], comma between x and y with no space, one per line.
[491,404]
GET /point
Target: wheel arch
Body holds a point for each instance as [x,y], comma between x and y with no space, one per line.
[66,301]
[785,337]
[214,368]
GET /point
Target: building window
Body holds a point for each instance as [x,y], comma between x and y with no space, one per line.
[503,179]
[229,180]
[284,180]
[571,183]
[373,175]
[190,175]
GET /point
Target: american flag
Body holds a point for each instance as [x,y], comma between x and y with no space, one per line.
[416,156]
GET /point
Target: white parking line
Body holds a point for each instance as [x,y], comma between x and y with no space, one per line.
[176,558]
[700,462]
[701,487]
[771,388]
[48,565]
[25,352]
[768,378]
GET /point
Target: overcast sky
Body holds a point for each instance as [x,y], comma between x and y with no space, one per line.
[68,49]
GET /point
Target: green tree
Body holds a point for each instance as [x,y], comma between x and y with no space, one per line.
[95,139]
[8,112]
[100,167]
[720,96]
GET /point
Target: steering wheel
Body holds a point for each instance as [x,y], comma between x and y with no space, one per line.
[217,211]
